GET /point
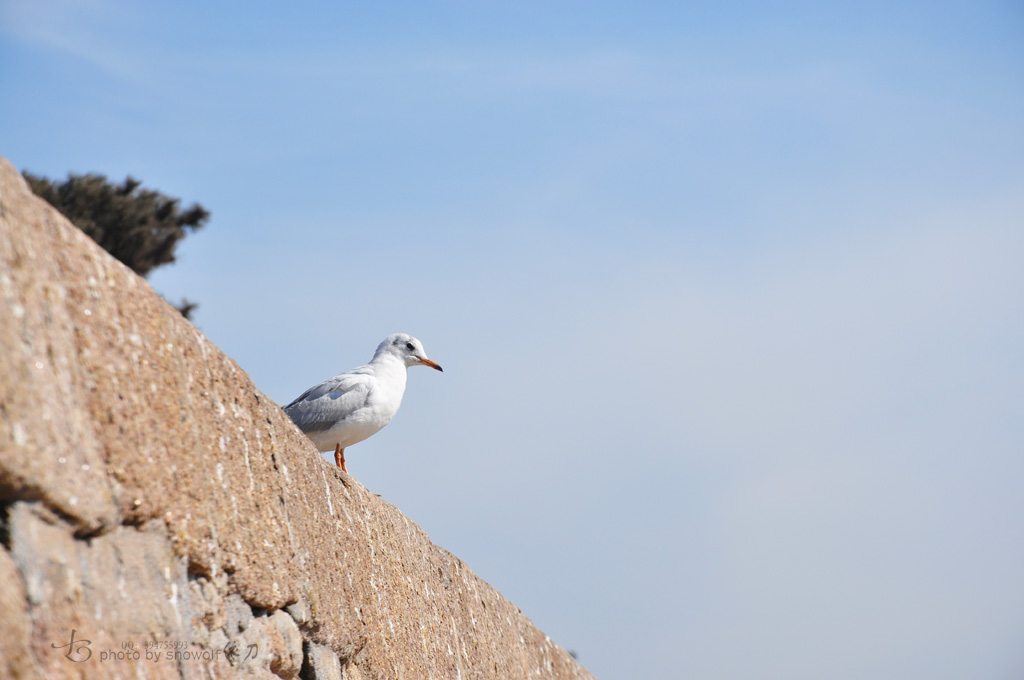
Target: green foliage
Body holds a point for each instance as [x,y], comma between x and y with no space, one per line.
[138,226]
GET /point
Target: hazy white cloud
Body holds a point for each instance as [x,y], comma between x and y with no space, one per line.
[92,31]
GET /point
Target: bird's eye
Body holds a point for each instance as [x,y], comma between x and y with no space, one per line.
[409,346]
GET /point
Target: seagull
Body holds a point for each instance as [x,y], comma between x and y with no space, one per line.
[355,405]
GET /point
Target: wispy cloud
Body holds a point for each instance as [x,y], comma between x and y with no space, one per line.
[88,30]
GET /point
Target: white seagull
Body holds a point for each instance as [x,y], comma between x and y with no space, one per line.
[355,405]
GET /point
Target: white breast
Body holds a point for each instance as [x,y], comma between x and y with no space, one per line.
[382,403]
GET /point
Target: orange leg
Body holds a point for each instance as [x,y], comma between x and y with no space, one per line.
[339,457]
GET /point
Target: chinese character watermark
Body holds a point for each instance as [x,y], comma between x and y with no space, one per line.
[75,648]
[232,653]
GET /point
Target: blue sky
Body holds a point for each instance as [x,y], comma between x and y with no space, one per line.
[728,297]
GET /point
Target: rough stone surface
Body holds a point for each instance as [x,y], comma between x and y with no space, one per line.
[16,660]
[167,514]
[322,663]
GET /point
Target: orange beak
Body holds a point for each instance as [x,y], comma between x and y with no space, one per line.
[432,364]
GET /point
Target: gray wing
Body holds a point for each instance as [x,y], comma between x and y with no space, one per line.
[322,406]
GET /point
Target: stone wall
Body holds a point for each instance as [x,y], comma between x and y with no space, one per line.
[161,518]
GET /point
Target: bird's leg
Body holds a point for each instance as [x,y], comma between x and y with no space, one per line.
[339,457]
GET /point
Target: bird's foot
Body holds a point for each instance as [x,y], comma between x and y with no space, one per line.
[339,457]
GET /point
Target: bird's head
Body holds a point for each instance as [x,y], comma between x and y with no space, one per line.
[408,349]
